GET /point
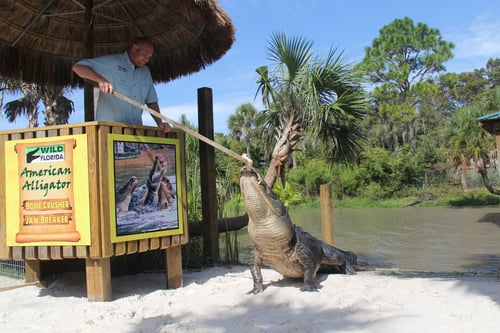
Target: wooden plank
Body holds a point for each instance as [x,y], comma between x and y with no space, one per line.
[98,273]
[97,247]
[327,225]
[182,151]
[4,249]
[82,251]
[497,139]
[55,253]
[66,130]
[30,253]
[17,253]
[132,247]
[120,249]
[104,188]
[144,245]
[52,132]
[154,243]
[40,132]
[165,242]
[175,240]
[32,270]
[208,177]
[68,252]
[173,264]
[43,253]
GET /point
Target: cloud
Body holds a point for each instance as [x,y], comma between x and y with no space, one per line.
[476,44]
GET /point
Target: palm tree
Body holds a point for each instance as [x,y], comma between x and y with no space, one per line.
[468,142]
[6,85]
[305,95]
[57,106]
[242,124]
[26,105]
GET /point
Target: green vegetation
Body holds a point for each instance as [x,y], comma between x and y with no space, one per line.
[458,199]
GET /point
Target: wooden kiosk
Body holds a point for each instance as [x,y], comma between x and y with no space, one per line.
[63,196]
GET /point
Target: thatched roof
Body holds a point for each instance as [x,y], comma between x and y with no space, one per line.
[41,39]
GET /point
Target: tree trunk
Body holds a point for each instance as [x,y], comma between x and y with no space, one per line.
[229,224]
[484,174]
[288,138]
[463,177]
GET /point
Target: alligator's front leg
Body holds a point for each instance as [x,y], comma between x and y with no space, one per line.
[255,269]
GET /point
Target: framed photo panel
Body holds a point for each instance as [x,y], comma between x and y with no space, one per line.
[144,187]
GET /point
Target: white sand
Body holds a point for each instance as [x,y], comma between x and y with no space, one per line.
[215,300]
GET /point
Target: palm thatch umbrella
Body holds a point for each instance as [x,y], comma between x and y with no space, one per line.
[41,39]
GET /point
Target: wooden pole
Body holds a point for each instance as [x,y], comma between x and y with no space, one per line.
[173,264]
[98,271]
[187,130]
[208,179]
[88,89]
[497,139]
[32,270]
[327,225]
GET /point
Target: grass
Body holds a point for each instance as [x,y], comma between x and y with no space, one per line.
[443,198]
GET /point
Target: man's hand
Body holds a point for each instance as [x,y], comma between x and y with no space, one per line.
[106,87]
[165,127]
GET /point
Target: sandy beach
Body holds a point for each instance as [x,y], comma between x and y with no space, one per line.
[216,300]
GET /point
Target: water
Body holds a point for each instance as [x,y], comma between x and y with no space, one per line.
[433,239]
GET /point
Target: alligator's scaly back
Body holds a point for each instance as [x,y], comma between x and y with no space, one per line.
[279,243]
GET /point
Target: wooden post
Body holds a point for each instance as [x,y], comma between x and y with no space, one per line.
[207,177]
[98,279]
[88,90]
[32,270]
[497,139]
[173,263]
[327,225]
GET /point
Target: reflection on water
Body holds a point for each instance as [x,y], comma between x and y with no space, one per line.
[133,222]
[418,238]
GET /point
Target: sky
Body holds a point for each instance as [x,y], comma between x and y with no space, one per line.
[347,25]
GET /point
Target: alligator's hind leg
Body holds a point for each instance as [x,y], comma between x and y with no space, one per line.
[255,269]
[310,277]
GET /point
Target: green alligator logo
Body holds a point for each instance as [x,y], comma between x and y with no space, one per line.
[45,154]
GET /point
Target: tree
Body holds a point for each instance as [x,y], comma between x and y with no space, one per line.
[57,106]
[467,141]
[306,95]
[242,124]
[493,72]
[402,59]
[26,105]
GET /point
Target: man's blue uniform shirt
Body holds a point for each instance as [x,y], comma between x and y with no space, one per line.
[135,83]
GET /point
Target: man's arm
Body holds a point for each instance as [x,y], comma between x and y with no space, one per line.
[163,125]
[85,72]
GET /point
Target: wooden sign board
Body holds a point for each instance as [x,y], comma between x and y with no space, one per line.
[43,178]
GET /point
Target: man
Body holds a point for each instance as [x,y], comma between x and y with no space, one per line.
[128,74]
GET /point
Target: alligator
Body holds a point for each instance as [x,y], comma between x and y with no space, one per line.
[280,244]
